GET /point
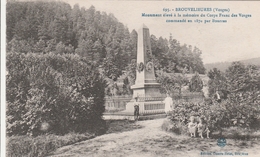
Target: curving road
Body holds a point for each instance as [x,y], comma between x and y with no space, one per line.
[149,141]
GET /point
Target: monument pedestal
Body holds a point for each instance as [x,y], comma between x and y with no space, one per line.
[149,99]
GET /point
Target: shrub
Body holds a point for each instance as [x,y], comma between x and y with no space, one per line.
[63,91]
[215,116]
[175,127]
[239,86]
[218,116]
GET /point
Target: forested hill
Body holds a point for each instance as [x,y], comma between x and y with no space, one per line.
[43,27]
[222,66]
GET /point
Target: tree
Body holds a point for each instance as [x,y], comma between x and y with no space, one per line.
[40,46]
[239,85]
[21,46]
[61,48]
[243,86]
[243,82]
[115,60]
[180,81]
[167,83]
[133,43]
[131,72]
[196,83]
[86,49]
[197,61]
[172,83]
[159,50]
[110,69]
[171,56]
[217,82]
[126,87]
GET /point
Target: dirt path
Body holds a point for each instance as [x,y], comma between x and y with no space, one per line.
[151,141]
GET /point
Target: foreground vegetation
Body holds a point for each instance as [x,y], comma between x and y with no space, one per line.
[53,93]
[152,141]
[41,145]
[44,144]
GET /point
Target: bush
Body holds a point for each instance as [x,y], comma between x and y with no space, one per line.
[41,145]
[63,91]
[218,116]
[239,86]
[219,119]
[175,127]
[215,116]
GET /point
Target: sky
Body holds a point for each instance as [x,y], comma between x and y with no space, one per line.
[237,39]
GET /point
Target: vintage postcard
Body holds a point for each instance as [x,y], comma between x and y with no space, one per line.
[130,78]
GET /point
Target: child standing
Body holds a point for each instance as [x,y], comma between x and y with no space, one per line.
[202,128]
[192,126]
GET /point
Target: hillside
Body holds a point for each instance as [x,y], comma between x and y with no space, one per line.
[222,66]
[44,27]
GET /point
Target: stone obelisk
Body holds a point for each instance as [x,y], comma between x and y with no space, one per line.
[146,87]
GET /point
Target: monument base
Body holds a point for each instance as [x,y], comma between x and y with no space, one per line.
[149,99]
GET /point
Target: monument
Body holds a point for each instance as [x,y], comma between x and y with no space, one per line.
[146,87]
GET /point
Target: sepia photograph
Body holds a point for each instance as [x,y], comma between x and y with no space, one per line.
[130,78]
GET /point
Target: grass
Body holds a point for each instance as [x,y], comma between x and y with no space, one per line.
[121,125]
[19,146]
[239,133]
[114,110]
[41,145]
[236,133]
